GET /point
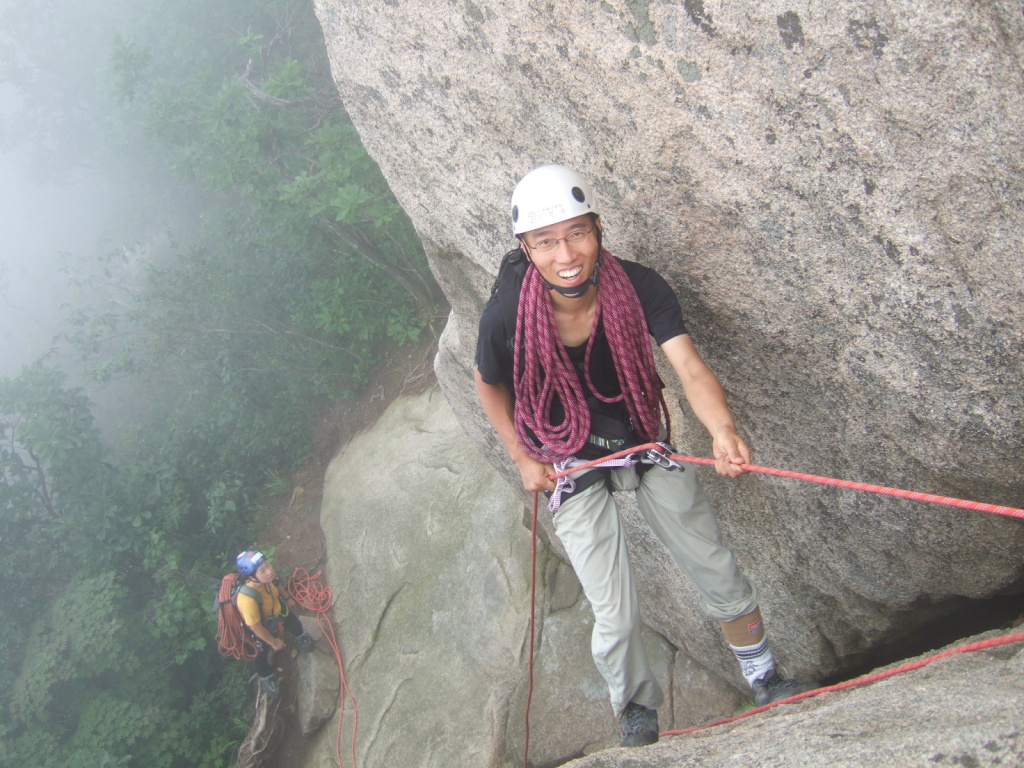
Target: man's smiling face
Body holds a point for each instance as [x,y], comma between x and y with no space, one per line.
[565,253]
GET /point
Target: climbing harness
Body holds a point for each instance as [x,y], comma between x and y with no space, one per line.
[660,456]
[930,498]
[316,598]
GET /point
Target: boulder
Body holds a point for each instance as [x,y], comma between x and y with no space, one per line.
[428,564]
[835,191]
[318,682]
[905,720]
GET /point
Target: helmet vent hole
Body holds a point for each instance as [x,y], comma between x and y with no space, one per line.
[515,213]
[578,194]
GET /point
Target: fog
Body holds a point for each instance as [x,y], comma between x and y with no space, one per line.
[40,223]
[56,203]
[143,250]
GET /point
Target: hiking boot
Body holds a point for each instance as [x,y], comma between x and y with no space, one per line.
[774,687]
[306,642]
[638,725]
[270,687]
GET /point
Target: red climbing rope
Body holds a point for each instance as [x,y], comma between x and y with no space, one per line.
[533,599]
[913,495]
[312,595]
[980,645]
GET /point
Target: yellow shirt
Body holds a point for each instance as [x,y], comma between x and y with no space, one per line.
[249,609]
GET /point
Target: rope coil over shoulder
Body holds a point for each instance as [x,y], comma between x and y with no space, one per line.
[543,372]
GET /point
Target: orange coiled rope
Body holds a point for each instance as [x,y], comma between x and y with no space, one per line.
[312,595]
[232,639]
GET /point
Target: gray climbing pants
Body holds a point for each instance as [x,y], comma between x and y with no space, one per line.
[681,516]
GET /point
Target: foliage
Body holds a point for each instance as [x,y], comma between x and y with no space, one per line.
[75,639]
[106,592]
[255,120]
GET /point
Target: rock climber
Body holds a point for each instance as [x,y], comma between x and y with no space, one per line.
[264,608]
[567,374]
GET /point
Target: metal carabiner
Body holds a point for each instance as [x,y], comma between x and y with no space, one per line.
[659,456]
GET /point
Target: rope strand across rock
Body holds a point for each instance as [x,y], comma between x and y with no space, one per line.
[1016,637]
[867,487]
[309,592]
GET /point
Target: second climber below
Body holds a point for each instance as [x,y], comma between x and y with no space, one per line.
[264,608]
[565,370]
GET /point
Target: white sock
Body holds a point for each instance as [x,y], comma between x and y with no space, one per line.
[756,661]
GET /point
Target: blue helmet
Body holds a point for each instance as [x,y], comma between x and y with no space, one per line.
[249,561]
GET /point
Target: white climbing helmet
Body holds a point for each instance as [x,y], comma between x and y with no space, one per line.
[548,195]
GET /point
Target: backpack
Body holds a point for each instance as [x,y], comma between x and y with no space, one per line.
[507,287]
[232,634]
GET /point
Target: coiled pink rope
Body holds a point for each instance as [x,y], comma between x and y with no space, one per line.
[544,372]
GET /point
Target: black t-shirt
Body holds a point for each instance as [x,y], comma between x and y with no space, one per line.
[664,321]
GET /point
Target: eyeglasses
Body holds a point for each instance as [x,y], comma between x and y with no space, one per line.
[550,243]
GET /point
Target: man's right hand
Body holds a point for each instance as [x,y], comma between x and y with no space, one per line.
[497,403]
[536,475]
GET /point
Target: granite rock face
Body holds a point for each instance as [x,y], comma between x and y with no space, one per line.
[429,570]
[903,720]
[318,682]
[834,190]
[427,562]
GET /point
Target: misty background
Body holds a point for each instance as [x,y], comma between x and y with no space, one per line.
[45,223]
[197,259]
[70,183]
